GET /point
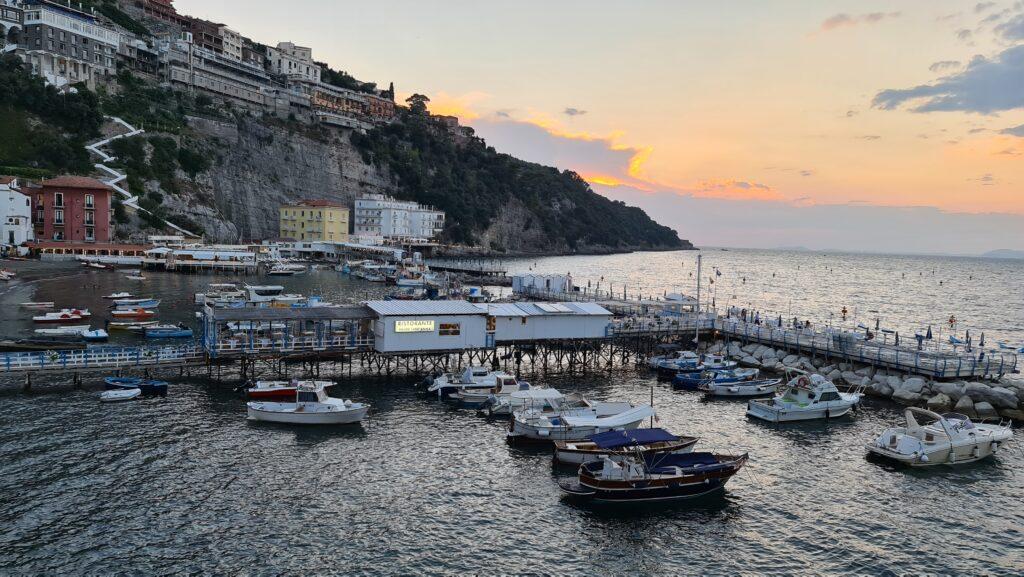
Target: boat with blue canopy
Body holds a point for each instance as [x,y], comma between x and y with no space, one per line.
[167,332]
[634,441]
[693,381]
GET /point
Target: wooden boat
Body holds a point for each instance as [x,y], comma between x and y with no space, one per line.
[120,395]
[637,441]
[118,296]
[65,331]
[658,477]
[311,406]
[136,313]
[63,316]
[130,325]
[39,305]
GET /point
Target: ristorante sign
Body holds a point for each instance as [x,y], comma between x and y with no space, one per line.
[414,326]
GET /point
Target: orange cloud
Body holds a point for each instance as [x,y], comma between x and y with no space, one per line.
[735,190]
[464,106]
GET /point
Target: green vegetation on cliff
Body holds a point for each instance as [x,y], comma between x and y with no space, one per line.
[472,182]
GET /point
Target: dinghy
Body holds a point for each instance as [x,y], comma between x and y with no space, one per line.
[118,383]
[65,331]
[758,388]
[136,303]
[272,390]
[167,332]
[311,406]
[693,381]
[63,316]
[130,326]
[95,336]
[136,313]
[118,296]
[37,306]
[119,395]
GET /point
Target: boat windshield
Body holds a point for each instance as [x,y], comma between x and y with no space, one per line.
[959,420]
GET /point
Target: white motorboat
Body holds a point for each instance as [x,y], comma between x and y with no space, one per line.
[219,294]
[758,388]
[472,378]
[573,424]
[504,386]
[37,305]
[270,294]
[286,269]
[95,336]
[943,440]
[120,395]
[64,331]
[688,358]
[121,295]
[539,399]
[312,406]
[805,398]
[7,275]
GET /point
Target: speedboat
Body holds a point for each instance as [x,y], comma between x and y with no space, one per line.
[943,440]
[805,398]
[658,477]
[472,378]
[136,313]
[693,381]
[270,294]
[178,331]
[221,294]
[638,441]
[137,303]
[65,331]
[572,424]
[504,386]
[539,399]
[63,316]
[688,358]
[285,269]
[311,406]
[95,336]
[708,362]
[271,390]
[119,395]
[757,388]
[121,295]
[38,305]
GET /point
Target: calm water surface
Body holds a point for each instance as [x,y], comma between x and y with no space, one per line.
[185,484]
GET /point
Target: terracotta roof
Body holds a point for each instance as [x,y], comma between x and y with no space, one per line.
[320,202]
[68,181]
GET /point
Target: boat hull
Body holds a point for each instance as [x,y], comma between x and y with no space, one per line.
[942,455]
[782,415]
[571,456]
[523,433]
[347,417]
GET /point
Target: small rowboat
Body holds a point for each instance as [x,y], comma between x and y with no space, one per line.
[39,305]
[97,265]
[120,395]
[137,327]
[147,387]
[137,303]
[135,277]
[118,296]
[637,441]
[167,332]
[120,383]
[63,316]
[136,313]
[65,331]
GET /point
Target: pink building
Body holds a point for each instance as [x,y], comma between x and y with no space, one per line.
[75,208]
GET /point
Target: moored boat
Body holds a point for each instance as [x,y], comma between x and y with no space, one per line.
[272,390]
[95,336]
[37,305]
[63,316]
[115,383]
[178,331]
[658,477]
[949,439]
[135,313]
[504,386]
[746,389]
[134,326]
[121,295]
[120,395]
[532,426]
[311,406]
[472,378]
[137,303]
[693,381]
[805,398]
[637,441]
[52,344]
[65,331]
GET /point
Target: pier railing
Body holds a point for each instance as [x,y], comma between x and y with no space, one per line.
[658,325]
[100,358]
[252,343]
[844,345]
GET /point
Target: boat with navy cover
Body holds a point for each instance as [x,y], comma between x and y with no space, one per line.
[657,477]
[636,441]
[949,439]
[178,331]
[708,362]
[693,381]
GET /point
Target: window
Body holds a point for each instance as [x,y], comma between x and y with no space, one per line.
[58,199]
[522,320]
[40,215]
[90,201]
[90,217]
[449,329]
[89,234]
[58,216]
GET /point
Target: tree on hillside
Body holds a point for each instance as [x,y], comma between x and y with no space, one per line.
[417,103]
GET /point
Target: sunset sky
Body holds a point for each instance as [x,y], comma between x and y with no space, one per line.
[891,126]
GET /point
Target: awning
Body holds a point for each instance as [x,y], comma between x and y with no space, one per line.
[616,439]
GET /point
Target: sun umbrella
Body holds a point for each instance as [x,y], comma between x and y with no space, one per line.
[929,335]
[981,341]
[897,338]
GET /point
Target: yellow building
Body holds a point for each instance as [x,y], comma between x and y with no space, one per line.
[320,220]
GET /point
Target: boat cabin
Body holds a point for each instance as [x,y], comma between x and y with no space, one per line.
[310,392]
[805,390]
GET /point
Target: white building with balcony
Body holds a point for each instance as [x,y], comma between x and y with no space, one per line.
[294,62]
[65,45]
[15,215]
[379,216]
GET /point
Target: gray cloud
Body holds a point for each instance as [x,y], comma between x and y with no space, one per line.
[983,6]
[1009,152]
[963,34]
[1014,131]
[851,113]
[987,85]
[574,112]
[1012,29]
[806,173]
[842,20]
[944,65]
[870,137]
[976,130]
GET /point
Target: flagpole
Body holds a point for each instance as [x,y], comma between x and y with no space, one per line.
[696,332]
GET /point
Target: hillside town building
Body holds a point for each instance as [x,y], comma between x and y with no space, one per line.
[72,208]
[315,220]
[15,215]
[65,45]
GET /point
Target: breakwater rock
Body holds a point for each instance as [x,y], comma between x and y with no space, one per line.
[977,399]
